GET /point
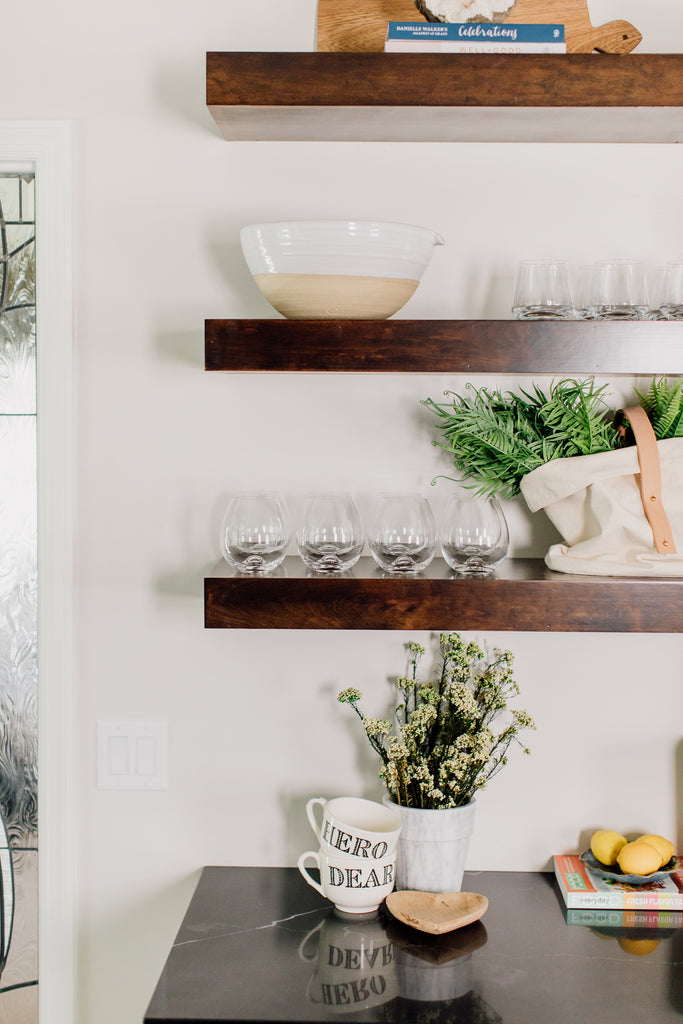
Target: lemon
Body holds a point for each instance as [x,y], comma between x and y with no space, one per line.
[638,947]
[605,845]
[639,858]
[664,846]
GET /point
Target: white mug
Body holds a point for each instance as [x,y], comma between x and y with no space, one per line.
[357,828]
[355,887]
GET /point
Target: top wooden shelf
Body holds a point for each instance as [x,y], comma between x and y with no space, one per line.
[437,97]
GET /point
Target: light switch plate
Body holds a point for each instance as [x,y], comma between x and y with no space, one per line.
[132,755]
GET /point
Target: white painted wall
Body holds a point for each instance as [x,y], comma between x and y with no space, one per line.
[254,725]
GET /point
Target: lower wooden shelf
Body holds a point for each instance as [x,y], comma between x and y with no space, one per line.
[523,596]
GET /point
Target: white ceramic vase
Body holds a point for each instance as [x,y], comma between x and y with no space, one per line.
[432,847]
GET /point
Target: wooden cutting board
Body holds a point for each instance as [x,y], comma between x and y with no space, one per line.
[361,25]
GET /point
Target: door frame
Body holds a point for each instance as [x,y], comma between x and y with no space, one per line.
[46,148]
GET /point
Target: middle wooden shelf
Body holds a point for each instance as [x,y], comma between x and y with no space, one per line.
[523,595]
[445,346]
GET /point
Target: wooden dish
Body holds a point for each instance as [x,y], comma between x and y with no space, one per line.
[436,912]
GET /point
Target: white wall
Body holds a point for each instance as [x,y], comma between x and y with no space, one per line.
[254,726]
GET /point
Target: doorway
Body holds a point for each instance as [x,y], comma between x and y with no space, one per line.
[36,575]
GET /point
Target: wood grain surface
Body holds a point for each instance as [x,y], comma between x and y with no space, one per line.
[429,97]
[361,25]
[444,346]
[523,596]
[235,79]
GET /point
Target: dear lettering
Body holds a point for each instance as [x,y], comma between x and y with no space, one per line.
[346,843]
[352,878]
[358,959]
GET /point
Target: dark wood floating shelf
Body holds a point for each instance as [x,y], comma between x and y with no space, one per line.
[422,97]
[445,346]
[523,596]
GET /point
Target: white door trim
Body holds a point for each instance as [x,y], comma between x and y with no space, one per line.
[46,146]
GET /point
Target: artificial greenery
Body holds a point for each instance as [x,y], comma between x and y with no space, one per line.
[497,437]
[663,403]
[445,749]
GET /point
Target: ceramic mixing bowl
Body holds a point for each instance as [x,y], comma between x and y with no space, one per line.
[337,269]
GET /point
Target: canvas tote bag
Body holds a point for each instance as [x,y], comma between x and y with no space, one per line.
[620,513]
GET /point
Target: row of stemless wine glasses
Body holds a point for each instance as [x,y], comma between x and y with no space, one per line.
[402,533]
[604,290]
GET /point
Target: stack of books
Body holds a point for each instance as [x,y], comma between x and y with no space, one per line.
[631,919]
[583,889]
[473,37]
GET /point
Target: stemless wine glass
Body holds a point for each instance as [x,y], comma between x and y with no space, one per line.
[402,534]
[615,290]
[254,534]
[542,291]
[330,538]
[656,289]
[584,292]
[672,298]
[474,537]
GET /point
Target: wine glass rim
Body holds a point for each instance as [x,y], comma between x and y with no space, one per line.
[329,494]
[544,261]
[402,494]
[622,261]
[255,494]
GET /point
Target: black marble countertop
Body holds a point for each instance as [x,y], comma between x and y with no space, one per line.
[258,944]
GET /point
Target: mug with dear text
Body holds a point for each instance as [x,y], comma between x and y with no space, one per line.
[357,828]
[354,886]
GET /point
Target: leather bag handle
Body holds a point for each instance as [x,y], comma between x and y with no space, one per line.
[651,479]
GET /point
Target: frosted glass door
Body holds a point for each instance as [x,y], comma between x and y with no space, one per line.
[18,606]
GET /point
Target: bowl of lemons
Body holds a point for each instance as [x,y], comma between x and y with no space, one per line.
[647,858]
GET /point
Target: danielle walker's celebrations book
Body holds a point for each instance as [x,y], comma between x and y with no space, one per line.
[473,37]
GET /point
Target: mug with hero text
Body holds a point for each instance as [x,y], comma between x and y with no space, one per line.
[357,828]
[354,886]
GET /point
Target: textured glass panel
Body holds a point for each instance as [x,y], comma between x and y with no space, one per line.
[17,296]
[19,1006]
[18,629]
[17,361]
[18,607]
[11,196]
[27,197]
[21,967]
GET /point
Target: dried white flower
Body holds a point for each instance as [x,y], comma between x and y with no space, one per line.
[444,748]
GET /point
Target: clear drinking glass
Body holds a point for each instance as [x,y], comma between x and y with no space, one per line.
[672,297]
[614,290]
[584,291]
[474,536]
[330,538]
[656,281]
[255,534]
[402,533]
[542,291]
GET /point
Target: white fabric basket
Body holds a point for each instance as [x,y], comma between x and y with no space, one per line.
[596,503]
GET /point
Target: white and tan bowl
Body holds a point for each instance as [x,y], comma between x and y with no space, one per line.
[337,269]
